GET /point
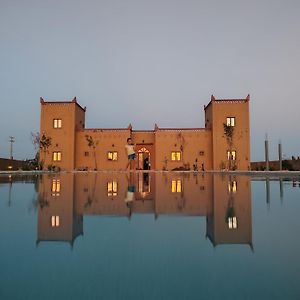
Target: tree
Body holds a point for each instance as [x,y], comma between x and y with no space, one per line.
[45,143]
[182,142]
[41,197]
[92,145]
[35,140]
[91,198]
[229,132]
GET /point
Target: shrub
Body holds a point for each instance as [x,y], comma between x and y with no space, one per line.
[286,165]
[51,168]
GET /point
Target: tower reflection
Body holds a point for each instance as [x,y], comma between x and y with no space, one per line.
[58,216]
[230,220]
[225,201]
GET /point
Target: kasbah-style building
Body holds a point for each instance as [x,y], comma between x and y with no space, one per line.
[224,202]
[74,147]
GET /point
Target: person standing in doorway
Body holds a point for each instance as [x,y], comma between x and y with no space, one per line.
[130,148]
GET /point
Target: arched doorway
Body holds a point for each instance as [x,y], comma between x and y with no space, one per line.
[144,162]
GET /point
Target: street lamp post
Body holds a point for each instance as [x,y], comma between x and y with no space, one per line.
[267,153]
[11,140]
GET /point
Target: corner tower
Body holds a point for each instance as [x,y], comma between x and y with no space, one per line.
[228,120]
[59,122]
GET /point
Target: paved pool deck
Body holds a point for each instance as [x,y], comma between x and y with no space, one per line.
[276,174]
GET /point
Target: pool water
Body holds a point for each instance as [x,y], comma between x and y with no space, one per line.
[109,235]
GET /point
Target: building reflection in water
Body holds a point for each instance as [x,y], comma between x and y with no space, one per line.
[58,218]
[225,201]
[230,219]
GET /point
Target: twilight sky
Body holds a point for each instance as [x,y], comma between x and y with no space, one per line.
[149,62]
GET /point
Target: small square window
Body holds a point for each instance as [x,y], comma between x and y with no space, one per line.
[112,188]
[57,156]
[55,189]
[176,156]
[112,155]
[232,186]
[176,186]
[57,123]
[54,221]
[86,153]
[230,121]
[201,153]
[231,155]
[232,222]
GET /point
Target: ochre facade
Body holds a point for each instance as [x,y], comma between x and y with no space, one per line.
[205,148]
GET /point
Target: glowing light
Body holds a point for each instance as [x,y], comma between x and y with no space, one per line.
[55,221]
[230,121]
[232,154]
[232,223]
[57,123]
[57,156]
[112,155]
[232,186]
[55,187]
[112,188]
[176,186]
[176,155]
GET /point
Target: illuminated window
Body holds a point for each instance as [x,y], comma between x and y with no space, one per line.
[55,187]
[231,154]
[112,155]
[232,223]
[176,186]
[230,121]
[57,123]
[232,186]
[112,188]
[57,156]
[55,221]
[144,150]
[176,155]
